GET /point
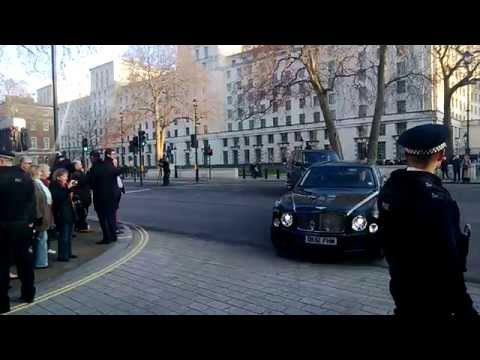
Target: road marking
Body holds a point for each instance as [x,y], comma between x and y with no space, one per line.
[136,191]
[144,238]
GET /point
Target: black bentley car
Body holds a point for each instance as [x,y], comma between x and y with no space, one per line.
[332,207]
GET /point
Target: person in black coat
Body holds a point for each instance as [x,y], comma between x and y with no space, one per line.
[17,217]
[456,162]
[63,212]
[165,165]
[419,228]
[82,196]
[103,182]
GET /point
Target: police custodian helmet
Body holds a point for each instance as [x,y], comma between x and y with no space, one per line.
[424,140]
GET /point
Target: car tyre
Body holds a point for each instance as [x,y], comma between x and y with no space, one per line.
[282,248]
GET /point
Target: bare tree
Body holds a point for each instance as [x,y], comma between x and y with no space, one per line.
[11,87]
[455,66]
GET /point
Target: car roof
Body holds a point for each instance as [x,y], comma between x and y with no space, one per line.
[342,164]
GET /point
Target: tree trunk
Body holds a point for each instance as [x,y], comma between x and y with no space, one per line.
[447,119]
[379,108]
[160,140]
[333,137]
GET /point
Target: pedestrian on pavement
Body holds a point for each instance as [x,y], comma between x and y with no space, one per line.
[456,168]
[419,227]
[63,212]
[166,171]
[82,197]
[17,215]
[466,168]
[119,187]
[45,178]
[103,182]
[444,168]
[44,221]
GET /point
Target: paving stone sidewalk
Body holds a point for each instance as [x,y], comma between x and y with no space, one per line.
[181,275]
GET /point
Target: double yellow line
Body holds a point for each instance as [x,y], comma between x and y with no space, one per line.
[144,238]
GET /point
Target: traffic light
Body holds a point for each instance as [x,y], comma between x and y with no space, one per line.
[142,140]
[133,145]
[85,144]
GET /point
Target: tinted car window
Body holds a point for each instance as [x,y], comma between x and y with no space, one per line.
[314,157]
[338,176]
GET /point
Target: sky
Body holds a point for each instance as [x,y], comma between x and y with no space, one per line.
[74,82]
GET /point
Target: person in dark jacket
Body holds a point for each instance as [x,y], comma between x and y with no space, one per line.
[419,228]
[17,217]
[165,165]
[444,167]
[456,162]
[63,212]
[103,182]
[82,197]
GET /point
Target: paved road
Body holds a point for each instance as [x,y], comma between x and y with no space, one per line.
[240,212]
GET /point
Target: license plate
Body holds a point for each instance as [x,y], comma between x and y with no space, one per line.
[321,240]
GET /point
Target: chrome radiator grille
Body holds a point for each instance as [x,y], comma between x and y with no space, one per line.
[327,223]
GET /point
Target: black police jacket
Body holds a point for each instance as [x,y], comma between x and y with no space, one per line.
[82,190]
[423,244]
[17,196]
[103,182]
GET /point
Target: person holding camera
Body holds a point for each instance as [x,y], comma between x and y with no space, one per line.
[63,212]
[82,197]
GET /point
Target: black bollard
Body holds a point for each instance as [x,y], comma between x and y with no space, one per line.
[266,173]
[176,172]
[244,173]
[278,173]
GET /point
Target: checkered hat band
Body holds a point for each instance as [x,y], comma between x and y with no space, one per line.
[426,152]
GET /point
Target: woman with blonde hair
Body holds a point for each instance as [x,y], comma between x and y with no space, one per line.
[44,221]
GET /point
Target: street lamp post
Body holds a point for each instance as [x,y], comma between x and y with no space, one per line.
[121,137]
[54,96]
[195,105]
[468,58]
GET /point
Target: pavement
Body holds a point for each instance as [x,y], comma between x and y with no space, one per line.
[207,251]
[176,274]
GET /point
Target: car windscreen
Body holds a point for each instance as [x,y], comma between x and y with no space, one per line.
[338,176]
[314,157]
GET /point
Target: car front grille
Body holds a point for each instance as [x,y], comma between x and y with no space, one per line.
[326,223]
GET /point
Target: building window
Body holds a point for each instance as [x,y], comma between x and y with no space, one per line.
[188,145]
[301,118]
[229,126]
[146,124]
[270,155]
[236,141]
[168,134]
[298,136]
[33,141]
[362,93]
[401,106]
[205,51]
[382,129]
[229,100]
[401,87]
[149,148]
[251,124]
[250,84]
[316,117]
[247,156]
[239,85]
[187,159]
[401,127]
[239,71]
[331,99]
[225,158]
[288,120]
[274,106]
[284,138]
[270,138]
[333,114]
[258,155]
[187,131]
[259,140]
[240,113]
[381,150]
[46,143]
[240,126]
[225,142]
[361,131]
[246,139]
[325,134]
[45,125]
[362,111]
[262,123]
[230,114]
[316,101]
[313,135]
[301,103]
[288,105]
[401,68]
[275,121]
[176,133]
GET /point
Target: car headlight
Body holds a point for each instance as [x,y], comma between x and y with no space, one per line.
[359,223]
[286,219]
[373,228]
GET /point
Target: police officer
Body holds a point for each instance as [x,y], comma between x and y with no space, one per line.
[420,232]
[17,215]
